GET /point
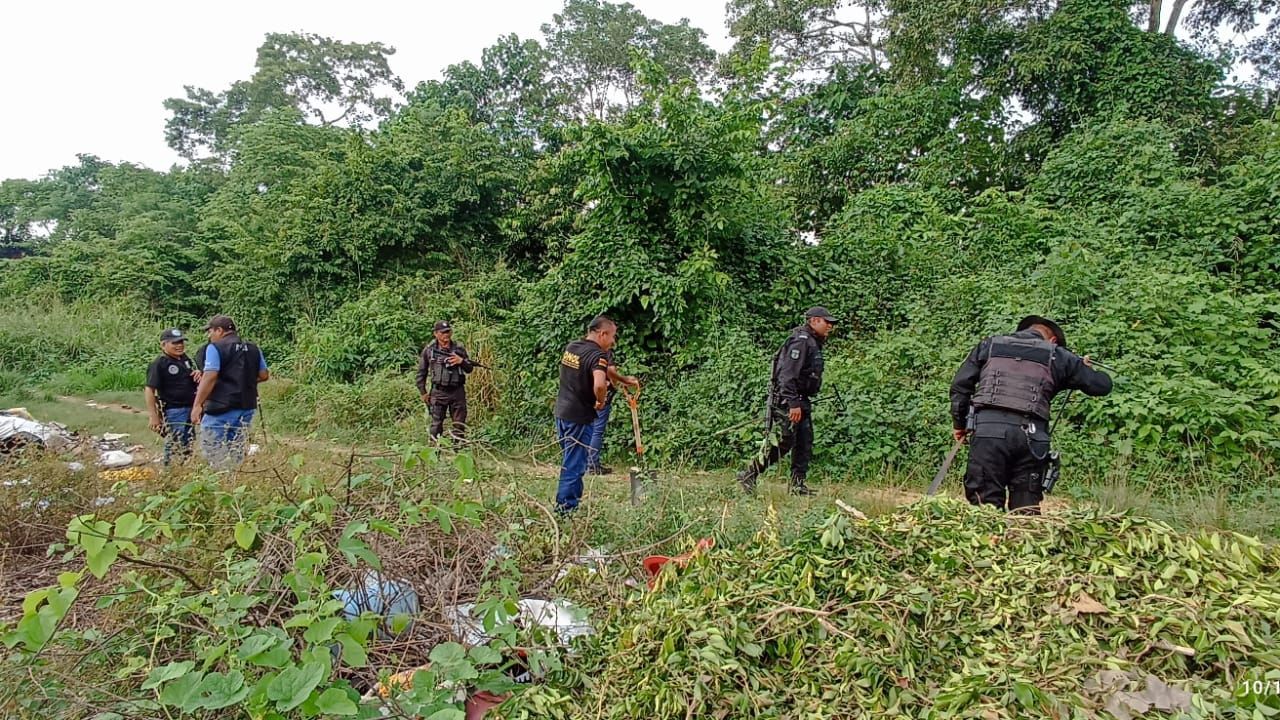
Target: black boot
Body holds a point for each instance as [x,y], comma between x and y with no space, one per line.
[799,488]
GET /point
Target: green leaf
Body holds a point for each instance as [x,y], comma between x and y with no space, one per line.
[179,692]
[292,686]
[485,655]
[218,691]
[356,549]
[451,660]
[246,533]
[90,537]
[165,673]
[447,714]
[466,466]
[399,622]
[353,654]
[128,526]
[335,701]
[100,562]
[321,630]
[266,649]
[447,654]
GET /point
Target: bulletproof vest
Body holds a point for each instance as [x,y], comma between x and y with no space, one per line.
[1017,376]
[237,386]
[442,374]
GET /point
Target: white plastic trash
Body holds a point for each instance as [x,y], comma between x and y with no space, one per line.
[115,459]
[566,619]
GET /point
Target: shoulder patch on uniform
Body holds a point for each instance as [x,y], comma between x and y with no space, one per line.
[803,335]
[795,353]
[173,369]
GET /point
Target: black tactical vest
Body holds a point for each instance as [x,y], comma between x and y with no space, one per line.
[442,374]
[237,387]
[1017,376]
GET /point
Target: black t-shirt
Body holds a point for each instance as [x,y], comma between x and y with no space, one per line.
[576,401]
[171,379]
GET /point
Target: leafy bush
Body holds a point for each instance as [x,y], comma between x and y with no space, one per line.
[946,608]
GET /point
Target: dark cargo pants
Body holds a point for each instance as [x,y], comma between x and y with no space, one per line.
[452,402]
[796,438]
[1006,466]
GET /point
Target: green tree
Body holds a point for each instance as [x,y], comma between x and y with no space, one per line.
[808,36]
[326,81]
[508,92]
[594,44]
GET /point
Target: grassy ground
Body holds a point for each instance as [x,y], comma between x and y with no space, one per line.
[680,506]
[1184,502]
[109,416]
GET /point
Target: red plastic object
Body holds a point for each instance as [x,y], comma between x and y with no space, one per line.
[653,564]
[479,704]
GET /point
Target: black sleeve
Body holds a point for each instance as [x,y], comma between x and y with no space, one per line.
[153,374]
[466,366]
[1072,374]
[200,353]
[598,361]
[965,382]
[791,360]
[424,367]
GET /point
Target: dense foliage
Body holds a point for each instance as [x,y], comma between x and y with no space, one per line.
[930,173]
[947,611]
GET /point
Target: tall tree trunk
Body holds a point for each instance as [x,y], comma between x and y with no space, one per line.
[1153,21]
[1173,17]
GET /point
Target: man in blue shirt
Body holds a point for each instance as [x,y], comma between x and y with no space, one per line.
[228,393]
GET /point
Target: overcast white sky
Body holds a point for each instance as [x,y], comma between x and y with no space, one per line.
[90,77]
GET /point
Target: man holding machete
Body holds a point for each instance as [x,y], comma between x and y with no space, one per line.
[1009,381]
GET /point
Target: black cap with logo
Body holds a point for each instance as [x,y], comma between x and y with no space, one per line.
[172,335]
[817,311]
[443,326]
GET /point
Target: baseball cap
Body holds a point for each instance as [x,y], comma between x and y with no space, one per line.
[172,335]
[220,321]
[443,326]
[817,311]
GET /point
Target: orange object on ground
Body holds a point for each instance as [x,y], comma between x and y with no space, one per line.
[653,564]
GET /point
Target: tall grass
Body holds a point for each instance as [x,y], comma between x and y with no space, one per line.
[91,345]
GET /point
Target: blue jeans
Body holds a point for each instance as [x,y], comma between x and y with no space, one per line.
[222,437]
[575,439]
[597,437]
[180,433]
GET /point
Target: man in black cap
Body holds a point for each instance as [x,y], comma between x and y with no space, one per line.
[170,393]
[446,364]
[795,379]
[1008,382]
[228,393]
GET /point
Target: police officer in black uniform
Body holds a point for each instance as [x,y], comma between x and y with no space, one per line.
[795,380]
[170,393]
[227,397]
[1009,382]
[446,364]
